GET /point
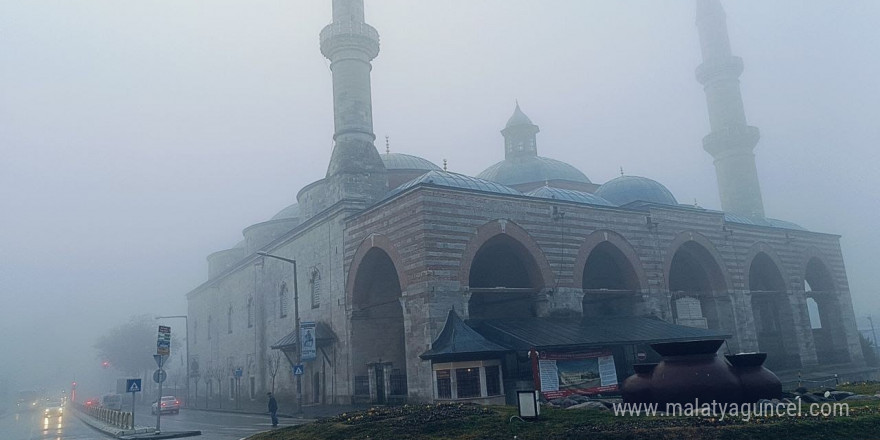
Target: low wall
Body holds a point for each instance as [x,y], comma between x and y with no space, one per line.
[119,419]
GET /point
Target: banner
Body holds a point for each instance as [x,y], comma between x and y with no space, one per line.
[307,336]
[564,374]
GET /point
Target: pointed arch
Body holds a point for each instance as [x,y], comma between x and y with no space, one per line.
[772,310]
[377,241]
[719,276]
[617,241]
[819,286]
[541,274]
[610,273]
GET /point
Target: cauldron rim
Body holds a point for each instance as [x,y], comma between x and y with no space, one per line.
[754,359]
[690,347]
[645,368]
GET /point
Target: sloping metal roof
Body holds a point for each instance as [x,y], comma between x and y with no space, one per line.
[547,192]
[523,334]
[758,221]
[323,336]
[454,180]
[457,340]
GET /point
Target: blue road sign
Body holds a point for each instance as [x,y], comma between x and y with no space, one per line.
[238,372]
[298,369]
[133,385]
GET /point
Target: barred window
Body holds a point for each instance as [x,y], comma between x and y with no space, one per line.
[250,312]
[316,288]
[444,384]
[468,382]
[493,380]
[283,300]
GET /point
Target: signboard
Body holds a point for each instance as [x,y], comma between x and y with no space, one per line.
[298,369]
[565,373]
[238,372]
[159,376]
[163,343]
[308,346]
[133,385]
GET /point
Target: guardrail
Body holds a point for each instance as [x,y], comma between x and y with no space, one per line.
[119,419]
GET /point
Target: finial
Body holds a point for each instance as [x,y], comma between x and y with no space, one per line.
[696,205]
[444,164]
[387,145]
[621,170]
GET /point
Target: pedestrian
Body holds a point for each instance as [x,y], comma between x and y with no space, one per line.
[273,409]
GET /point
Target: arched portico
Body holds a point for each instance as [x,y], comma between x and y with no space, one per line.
[772,311]
[608,271]
[829,332]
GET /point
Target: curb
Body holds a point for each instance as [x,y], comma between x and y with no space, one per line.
[109,430]
[255,413]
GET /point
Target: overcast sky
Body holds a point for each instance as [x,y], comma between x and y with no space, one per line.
[139,137]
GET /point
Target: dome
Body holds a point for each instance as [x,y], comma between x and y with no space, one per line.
[627,189]
[399,161]
[454,180]
[291,211]
[529,169]
[547,192]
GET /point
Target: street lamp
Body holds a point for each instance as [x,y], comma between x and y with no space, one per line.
[186,342]
[299,397]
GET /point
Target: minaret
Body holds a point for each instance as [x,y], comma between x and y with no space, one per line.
[731,141]
[519,136]
[356,171]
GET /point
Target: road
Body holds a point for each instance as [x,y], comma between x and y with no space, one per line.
[214,425]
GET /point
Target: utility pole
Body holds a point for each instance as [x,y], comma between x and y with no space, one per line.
[873,332]
[299,397]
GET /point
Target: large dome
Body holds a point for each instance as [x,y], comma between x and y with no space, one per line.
[627,189]
[291,211]
[530,169]
[400,161]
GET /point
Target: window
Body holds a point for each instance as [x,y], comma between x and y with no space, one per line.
[209,327]
[315,283]
[195,336]
[468,382]
[229,320]
[444,384]
[232,388]
[252,389]
[282,299]
[493,380]
[250,311]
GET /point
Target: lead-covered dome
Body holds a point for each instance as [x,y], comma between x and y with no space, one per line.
[530,169]
[400,161]
[548,192]
[627,189]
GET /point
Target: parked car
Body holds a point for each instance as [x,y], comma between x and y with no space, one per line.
[169,404]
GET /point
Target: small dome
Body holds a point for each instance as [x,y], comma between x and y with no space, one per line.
[627,189]
[454,180]
[530,169]
[291,211]
[399,161]
[548,192]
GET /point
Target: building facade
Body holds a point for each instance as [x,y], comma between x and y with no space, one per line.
[386,245]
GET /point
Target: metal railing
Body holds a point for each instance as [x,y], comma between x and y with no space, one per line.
[362,385]
[119,419]
[398,384]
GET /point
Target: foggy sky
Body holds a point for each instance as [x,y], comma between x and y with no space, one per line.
[139,137]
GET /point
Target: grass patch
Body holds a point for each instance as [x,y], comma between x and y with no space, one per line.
[471,422]
[870,388]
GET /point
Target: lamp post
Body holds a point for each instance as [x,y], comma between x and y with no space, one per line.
[186,342]
[299,402]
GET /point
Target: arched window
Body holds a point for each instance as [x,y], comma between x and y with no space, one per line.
[250,311]
[195,335]
[315,283]
[282,300]
[229,320]
[209,327]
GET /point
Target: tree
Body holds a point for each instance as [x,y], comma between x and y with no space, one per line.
[219,373]
[130,347]
[869,350]
[274,365]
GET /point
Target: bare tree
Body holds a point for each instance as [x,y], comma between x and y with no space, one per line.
[207,378]
[274,365]
[219,373]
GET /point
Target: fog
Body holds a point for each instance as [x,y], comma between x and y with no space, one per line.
[139,137]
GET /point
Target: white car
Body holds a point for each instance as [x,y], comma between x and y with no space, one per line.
[53,408]
[170,404]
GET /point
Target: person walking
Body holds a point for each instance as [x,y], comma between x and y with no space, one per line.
[273,409]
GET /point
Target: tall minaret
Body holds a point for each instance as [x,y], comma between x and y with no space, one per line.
[356,171]
[731,141]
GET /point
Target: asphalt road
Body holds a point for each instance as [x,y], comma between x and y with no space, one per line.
[33,426]
[214,425]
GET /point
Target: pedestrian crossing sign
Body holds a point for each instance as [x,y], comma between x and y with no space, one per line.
[133,385]
[298,370]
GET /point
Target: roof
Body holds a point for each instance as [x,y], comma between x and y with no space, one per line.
[761,221]
[323,336]
[400,161]
[291,211]
[529,169]
[518,118]
[454,180]
[523,334]
[457,340]
[549,192]
[627,189]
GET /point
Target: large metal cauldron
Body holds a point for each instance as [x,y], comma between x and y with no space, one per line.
[692,371]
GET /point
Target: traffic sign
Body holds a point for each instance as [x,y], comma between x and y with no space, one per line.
[298,369]
[163,342]
[159,376]
[133,385]
[238,372]
[160,360]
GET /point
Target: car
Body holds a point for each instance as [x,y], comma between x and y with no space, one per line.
[53,408]
[94,402]
[170,404]
[111,401]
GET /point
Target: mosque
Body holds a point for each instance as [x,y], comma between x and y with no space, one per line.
[417,284]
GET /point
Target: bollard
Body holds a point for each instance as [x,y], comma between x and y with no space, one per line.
[836,379]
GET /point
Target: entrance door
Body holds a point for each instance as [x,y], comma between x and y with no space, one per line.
[380,384]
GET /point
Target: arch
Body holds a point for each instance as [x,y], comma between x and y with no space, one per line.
[616,240]
[377,241]
[720,276]
[769,252]
[698,284]
[542,271]
[829,337]
[607,271]
[772,311]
